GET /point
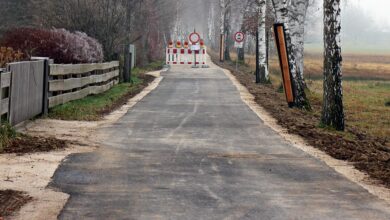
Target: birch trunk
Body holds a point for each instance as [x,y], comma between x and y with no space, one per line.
[332,111]
[282,16]
[262,41]
[210,26]
[297,16]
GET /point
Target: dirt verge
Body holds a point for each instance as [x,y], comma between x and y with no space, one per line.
[31,173]
[11,201]
[33,144]
[366,153]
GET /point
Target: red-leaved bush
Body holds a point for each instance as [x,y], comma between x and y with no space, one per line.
[58,44]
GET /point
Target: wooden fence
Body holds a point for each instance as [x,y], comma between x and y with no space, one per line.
[5,82]
[29,88]
[72,82]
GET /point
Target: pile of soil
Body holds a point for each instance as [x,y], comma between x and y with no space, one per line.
[367,153]
[11,201]
[29,144]
[146,80]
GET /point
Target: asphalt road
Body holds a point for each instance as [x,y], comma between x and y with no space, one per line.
[193,150]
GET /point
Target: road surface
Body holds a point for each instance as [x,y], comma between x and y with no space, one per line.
[193,150]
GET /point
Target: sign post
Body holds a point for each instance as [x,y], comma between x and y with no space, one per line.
[195,38]
[239,38]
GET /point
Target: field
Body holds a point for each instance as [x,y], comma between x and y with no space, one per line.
[366,88]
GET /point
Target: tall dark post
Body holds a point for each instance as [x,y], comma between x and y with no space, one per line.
[130,66]
[257,58]
[126,66]
[46,72]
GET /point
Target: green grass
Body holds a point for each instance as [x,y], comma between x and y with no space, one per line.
[91,107]
[7,134]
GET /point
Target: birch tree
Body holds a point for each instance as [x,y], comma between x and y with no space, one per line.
[297,15]
[262,42]
[210,25]
[282,16]
[332,112]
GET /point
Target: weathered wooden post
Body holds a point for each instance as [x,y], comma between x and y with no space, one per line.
[126,66]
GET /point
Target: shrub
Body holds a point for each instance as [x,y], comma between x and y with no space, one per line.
[8,55]
[58,44]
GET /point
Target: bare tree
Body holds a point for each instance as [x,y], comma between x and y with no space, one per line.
[332,112]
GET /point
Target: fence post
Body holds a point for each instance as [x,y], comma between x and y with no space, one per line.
[126,66]
[46,73]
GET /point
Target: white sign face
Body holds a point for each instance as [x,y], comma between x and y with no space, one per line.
[238,44]
[194,38]
[195,47]
[239,37]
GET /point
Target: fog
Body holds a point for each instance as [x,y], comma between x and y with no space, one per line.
[365,24]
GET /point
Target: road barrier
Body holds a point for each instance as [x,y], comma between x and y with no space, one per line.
[184,56]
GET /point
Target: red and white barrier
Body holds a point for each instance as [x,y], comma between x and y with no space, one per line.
[185,56]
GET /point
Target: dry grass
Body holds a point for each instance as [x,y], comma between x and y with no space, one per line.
[366,88]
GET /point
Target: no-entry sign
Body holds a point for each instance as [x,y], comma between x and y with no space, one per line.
[239,37]
[194,38]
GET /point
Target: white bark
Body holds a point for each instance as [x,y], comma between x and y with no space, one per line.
[297,16]
[282,16]
[262,41]
[210,25]
[332,111]
[222,16]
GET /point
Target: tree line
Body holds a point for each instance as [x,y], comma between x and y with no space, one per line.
[256,18]
[151,23]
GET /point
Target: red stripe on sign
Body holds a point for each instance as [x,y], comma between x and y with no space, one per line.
[182,51]
[189,62]
[197,63]
[204,51]
[174,62]
[175,51]
[197,52]
[189,51]
[181,62]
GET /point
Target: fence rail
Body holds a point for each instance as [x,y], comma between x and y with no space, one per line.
[72,82]
[5,82]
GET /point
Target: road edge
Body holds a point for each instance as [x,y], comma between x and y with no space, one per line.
[342,167]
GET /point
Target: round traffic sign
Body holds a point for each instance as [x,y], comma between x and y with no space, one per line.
[239,37]
[194,38]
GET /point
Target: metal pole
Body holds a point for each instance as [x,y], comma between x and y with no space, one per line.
[237,59]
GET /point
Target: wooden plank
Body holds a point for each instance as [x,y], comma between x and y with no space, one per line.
[26,97]
[5,79]
[73,83]
[66,69]
[71,96]
[4,106]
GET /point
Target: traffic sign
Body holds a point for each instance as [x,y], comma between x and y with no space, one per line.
[194,38]
[239,37]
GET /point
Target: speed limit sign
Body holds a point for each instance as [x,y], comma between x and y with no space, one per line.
[239,37]
[194,38]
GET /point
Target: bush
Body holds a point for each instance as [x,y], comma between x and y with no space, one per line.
[58,44]
[8,55]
